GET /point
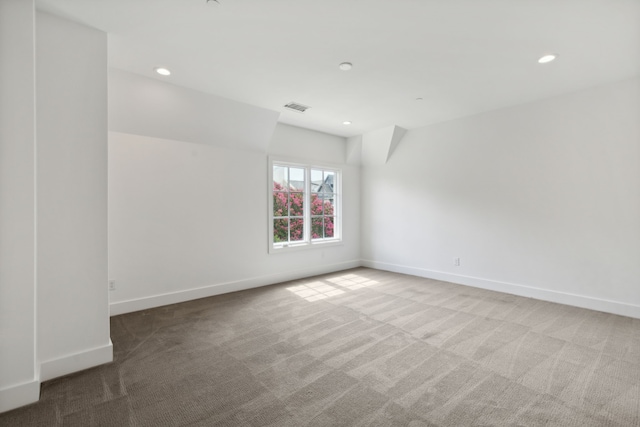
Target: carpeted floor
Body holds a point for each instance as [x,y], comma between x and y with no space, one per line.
[356,348]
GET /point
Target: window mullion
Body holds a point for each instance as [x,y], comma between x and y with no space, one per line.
[307,205]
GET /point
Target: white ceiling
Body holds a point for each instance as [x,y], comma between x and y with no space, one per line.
[462,57]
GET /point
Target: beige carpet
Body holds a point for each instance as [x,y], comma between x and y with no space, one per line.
[356,348]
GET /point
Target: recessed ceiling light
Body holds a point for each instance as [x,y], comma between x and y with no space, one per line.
[346,66]
[163,71]
[346,122]
[418,99]
[547,58]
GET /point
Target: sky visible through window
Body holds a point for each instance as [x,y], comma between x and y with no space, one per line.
[293,178]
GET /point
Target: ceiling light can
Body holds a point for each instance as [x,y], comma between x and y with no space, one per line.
[346,122]
[162,71]
[547,58]
[346,66]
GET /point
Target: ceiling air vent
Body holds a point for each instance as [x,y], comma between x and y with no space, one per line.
[294,106]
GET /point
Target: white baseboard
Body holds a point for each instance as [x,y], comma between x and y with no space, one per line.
[19,395]
[26,393]
[76,362]
[122,307]
[607,306]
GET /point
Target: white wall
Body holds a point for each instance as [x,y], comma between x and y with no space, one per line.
[541,199]
[299,143]
[18,376]
[54,314]
[189,219]
[71,89]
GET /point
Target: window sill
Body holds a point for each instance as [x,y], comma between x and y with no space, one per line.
[280,249]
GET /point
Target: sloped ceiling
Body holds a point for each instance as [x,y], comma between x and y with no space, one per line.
[143,106]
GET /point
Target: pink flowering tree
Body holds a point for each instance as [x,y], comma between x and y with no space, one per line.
[291,203]
[321,217]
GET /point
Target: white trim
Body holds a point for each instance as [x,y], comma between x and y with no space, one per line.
[313,244]
[608,306]
[19,395]
[598,304]
[76,362]
[144,303]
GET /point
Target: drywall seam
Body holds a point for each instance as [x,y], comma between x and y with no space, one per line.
[582,301]
[153,301]
[19,395]
[76,362]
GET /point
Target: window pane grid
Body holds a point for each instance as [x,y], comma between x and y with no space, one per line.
[299,193]
[289,185]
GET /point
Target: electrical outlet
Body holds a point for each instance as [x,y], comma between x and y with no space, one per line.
[112,285]
[456,262]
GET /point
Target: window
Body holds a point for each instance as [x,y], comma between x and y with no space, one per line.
[304,205]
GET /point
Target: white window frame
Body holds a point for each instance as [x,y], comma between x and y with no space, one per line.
[307,242]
